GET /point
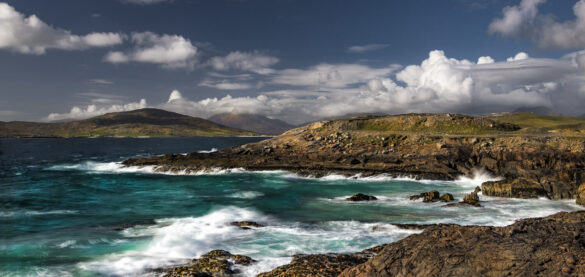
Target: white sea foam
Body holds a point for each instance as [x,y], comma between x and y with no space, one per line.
[21,213]
[246,194]
[176,240]
[208,151]
[478,177]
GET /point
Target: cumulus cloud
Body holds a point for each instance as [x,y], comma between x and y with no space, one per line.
[95,110]
[366,48]
[331,75]
[437,84]
[30,35]
[169,51]
[245,61]
[524,21]
[175,96]
[520,56]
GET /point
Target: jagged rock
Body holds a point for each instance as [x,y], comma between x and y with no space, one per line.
[477,189]
[471,199]
[361,197]
[517,188]
[550,246]
[216,263]
[447,197]
[246,224]
[431,196]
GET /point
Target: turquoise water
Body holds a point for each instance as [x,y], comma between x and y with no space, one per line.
[69,209]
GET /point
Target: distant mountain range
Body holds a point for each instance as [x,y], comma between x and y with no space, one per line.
[143,122]
[252,122]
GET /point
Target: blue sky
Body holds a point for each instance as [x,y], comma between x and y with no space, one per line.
[288,59]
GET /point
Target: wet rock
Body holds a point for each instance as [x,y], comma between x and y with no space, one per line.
[246,224]
[477,189]
[215,263]
[447,197]
[517,188]
[361,197]
[431,196]
[471,199]
[551,246]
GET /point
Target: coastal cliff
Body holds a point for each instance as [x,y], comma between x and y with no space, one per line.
[532,162]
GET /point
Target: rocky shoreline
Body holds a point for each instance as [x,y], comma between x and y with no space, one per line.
[429,146]
[549,246]
[422,146]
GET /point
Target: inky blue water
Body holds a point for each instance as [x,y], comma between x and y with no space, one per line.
[68,208]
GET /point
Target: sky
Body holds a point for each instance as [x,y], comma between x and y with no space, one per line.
[294,60]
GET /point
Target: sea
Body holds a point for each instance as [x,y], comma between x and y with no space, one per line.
[69,208]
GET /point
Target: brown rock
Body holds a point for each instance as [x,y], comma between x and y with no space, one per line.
[447,197]
[215,263]
[471,199]
[246,224]
[361,197]
[548,246]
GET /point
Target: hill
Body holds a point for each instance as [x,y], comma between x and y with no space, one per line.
[253,122]
[142,122]
[532,123]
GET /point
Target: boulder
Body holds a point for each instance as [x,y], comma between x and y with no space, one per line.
[477,189]
[471,199]
[246,224]
[447,197]
[361,197]
[431,196]
[214,263]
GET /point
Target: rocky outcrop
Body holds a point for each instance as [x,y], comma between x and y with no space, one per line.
[217,263]
[447,197]
[471,199]
[429,146]
[246,225]
[433,196]
[551,246]
[361,197]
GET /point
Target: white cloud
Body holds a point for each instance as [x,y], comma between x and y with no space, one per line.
[253,61]
[175,95]
[331,75]
[437,84]
[485,60]
[520,56]
[225,85]
[30,35]
[366,48]
[94,110]
[169,51]
[524,21]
